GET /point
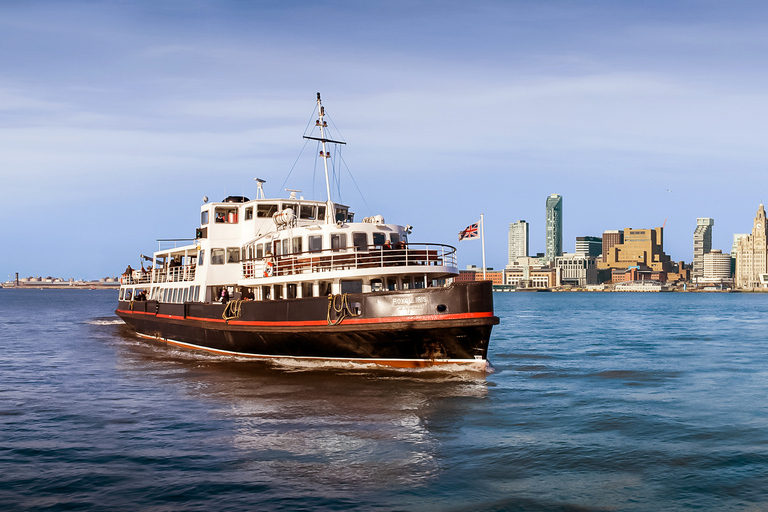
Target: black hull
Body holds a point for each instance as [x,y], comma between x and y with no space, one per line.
[413,328]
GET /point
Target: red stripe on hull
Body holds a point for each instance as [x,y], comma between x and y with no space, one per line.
[310,323]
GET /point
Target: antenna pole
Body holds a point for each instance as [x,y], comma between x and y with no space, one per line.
[330,215]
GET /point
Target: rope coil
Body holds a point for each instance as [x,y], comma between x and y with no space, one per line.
[232,309]
[342,310]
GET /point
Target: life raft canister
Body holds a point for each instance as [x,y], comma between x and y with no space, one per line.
[269,269]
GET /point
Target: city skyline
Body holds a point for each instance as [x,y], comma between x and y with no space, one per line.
[119,117]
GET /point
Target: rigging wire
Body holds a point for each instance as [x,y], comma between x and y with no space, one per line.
[306,141]
[294,165]
[370,211]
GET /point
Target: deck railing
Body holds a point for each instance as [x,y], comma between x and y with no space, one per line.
[351,258]
[161,275]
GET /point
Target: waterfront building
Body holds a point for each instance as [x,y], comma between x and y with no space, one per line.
[554,242]
[518,240]
[717,268]
[640,247]
[735,250]
[532,277]
[611,238]
[636,274]
[475,273]
[577,269]
[589,246]
[702,244]
[752,254]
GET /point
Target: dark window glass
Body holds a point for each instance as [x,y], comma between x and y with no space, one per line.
[315,243]
[217,256]
[360,241]
[338,241]
[352,286]
[265,210]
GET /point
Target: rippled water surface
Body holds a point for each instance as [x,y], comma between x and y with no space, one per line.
[597,402]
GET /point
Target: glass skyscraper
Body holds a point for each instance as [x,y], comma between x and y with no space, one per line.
[554,227]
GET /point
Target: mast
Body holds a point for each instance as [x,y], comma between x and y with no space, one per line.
[324,155]
[330,216]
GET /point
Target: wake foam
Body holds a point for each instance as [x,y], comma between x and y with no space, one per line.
[115,321]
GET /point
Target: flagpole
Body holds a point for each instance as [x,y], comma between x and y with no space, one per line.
[482,238]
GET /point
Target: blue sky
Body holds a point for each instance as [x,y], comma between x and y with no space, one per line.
[117,117]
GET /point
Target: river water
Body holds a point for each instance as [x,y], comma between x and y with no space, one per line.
[596,401]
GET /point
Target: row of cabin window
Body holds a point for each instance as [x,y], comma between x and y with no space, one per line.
[289,291]
[191,294]
[228,214]
[315,243]
[294,246]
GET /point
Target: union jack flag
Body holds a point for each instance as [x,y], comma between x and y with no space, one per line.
[469,233]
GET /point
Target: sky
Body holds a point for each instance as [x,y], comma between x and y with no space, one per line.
[116,118]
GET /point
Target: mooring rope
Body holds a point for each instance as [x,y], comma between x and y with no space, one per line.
[232,309]
[342,310]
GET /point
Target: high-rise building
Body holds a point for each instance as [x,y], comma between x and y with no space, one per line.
[639,247]
[554,245]
[702,244]
[589,246]
[717,267]
[752,254]
[611,238]
[518,240]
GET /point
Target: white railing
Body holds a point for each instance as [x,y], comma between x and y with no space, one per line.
[161,275]
[352,258]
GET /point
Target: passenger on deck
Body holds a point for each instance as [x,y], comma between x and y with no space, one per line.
[128,274]
[224,295]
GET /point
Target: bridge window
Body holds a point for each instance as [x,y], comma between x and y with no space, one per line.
[321,212]
[379,238]
[204,217]
[233,255]
[307,212]
[226,215]
[296,244]
[286,246]
[394,238]
[265,210]
[201,257]
[259,251]
[249,213]
[217,256]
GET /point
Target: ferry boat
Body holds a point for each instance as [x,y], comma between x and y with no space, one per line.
[297,279]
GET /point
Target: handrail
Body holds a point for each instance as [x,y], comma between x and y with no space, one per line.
[161,275]
[352,258]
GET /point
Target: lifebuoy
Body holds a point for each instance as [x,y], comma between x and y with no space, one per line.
[269,269]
